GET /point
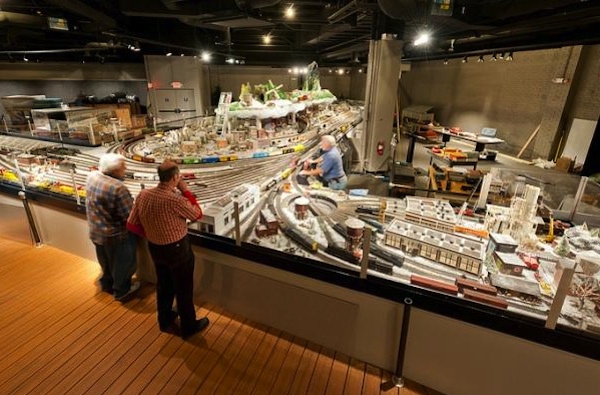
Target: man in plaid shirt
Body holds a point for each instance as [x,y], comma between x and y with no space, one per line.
[108,204]
[160,214]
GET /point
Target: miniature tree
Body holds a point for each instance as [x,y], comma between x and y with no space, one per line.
[563,248]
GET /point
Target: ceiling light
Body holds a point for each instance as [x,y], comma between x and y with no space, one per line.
[510,56]
[331,71]
[267,39]
[465,60]
[230,61]
[340,71]
[501,56]
[169,54]
[422,39]
[304,70]
[480,60]
[25,59]
[237,61]
[290,71]
[206,56]
[360,70]
[242,61]
[295,70]
[290,12]
[446,61]
[181,55]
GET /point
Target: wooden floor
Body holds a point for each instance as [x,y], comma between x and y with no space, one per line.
[60,335]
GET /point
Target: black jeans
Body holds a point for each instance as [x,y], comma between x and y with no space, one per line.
[174,264]
[118,262]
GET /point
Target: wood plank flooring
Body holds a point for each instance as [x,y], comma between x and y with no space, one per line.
[60,335]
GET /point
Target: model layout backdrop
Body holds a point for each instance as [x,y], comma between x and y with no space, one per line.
[251,153]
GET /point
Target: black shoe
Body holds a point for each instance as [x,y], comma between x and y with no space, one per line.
[132,289]
[168,327]
[201,324]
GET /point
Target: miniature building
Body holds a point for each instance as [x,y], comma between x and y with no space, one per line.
[432,213]
[509,263]
[301,208]
[268,219]
[188,147]
[451,250]
[263,231]
[523,213]
[497,218]
[218,217]
[221,142]
[354,233]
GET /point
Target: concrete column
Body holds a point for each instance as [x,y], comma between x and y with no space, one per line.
[380,102]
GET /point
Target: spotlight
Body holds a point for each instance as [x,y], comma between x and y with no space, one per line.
[422,39]
[242,61]
[181,55]
[169,54]
[446,61]
[230,61]
[304,70]
[25,59]
[206,56]
[237,61]
[480,60]
[289,71]
[340,71]
[510,56]
[494,58]
[331,71]
[290,12]
[501,56]
[295,70]
[266,39]
[465,60]
[360,70]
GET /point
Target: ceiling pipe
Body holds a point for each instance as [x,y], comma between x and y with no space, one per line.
[92,13]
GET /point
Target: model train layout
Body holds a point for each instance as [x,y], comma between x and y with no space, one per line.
[414,240]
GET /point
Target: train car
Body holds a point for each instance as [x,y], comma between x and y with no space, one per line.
[227,158]
[218,217]
[209,159]
[188,176]
[287,151]
[261,154]
[286,173]
[137,158]
[179,161]
[301,239]
[193,161]
[299,148]
[148,159]
[145,176]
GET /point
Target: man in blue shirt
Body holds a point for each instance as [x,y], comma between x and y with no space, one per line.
[329,165]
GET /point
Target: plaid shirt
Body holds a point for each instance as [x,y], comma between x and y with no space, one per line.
[108,204]
[163,212]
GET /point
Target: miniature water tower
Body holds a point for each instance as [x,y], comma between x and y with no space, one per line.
[301,208]
[355,229]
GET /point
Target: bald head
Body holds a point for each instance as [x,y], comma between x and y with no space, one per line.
[167,170]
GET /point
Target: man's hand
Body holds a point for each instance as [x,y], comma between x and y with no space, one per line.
[182,186]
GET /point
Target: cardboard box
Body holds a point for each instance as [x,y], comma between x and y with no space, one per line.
[564,164]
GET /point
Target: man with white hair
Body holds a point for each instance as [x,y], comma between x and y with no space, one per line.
[108,204]
[329,165]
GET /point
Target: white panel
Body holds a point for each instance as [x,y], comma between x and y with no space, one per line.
[185,99]
[462,359]
[579,139]
[13,220]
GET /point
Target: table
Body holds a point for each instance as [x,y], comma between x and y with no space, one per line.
[450,163]
[480,141]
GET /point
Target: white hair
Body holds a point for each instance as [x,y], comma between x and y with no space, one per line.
[329,139]
[110,162]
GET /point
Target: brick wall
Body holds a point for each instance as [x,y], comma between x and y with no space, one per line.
[514,97]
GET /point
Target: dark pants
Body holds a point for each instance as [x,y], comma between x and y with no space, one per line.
[118,262]
[174,264]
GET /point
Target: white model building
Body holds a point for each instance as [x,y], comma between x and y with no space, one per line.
[523,210]
[432,213]
[218,217]
[497,218]
[451,250]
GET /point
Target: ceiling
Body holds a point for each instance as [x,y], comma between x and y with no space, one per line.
[328,31]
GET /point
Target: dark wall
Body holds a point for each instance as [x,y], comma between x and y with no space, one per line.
[514,97]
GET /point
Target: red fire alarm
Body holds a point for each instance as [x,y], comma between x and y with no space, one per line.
[176,84]
[380,147]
